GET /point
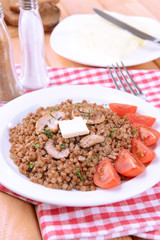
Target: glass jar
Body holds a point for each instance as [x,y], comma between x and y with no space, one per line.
[31,33]
[9,85]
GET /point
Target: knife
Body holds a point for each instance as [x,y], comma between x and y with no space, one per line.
[125,26]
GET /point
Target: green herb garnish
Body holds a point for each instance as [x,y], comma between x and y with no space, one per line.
[31,164]
[134,131]
[32,122]
[56,109]
[108,135]
[78,105]
[50,118]
[52,115]
[47,133]
[36,144]
[62,146]
[89,114]
[84,105]
[84,115]
[111,131]
[79,175]
[124,118]
[93,158]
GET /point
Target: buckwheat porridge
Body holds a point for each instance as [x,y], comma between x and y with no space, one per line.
[44,156]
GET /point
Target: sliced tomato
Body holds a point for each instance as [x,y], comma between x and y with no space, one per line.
[105,175]
[128,165]
[147,135]
[141,151]
[122,109]
[141,119]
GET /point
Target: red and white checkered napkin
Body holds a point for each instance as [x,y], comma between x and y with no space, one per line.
[138,216]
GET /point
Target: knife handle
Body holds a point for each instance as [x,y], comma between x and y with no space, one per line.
[157,41]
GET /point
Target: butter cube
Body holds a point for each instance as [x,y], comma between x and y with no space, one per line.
[73,128]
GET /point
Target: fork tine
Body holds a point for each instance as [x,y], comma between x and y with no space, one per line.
[135,85]
[124,78]
[135,90]
[114,80]
[119,78]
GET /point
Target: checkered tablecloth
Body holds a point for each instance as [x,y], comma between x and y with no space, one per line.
[138,216]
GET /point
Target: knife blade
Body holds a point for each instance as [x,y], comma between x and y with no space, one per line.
[125,26]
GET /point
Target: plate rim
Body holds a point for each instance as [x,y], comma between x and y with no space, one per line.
[88,195]
[124,59]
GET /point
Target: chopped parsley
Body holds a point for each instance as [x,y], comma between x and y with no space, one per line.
[62,146]
[32,122]
[84,105]
[52,115]
[78,105]
[89,114]
[50,118]
[108,135]
[31,166]
[79,175]
[56,109]
[84,115]
[111,131]
[47,133]
[36,144]
[124,118]
[93,158]
[134,131]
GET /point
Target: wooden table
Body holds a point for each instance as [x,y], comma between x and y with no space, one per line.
[18,219]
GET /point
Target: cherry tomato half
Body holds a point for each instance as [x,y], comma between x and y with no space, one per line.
[128,165]
[147,135]
[141,119]
[141,151]
[105,175]
[122,109]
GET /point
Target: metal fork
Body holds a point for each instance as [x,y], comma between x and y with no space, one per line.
[126,78]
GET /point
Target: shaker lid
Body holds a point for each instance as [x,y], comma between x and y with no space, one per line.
[1,11]
[28,4]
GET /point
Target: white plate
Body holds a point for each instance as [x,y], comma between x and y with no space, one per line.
[63,42]
[13,112]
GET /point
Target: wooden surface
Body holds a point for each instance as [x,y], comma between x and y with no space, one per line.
[17,218]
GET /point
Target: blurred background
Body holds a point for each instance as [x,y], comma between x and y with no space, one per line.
[149,8]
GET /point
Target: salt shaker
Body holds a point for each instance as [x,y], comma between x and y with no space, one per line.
[9,84]
[31,33]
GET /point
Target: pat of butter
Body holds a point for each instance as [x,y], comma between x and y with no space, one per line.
[73,128]
[101,36]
